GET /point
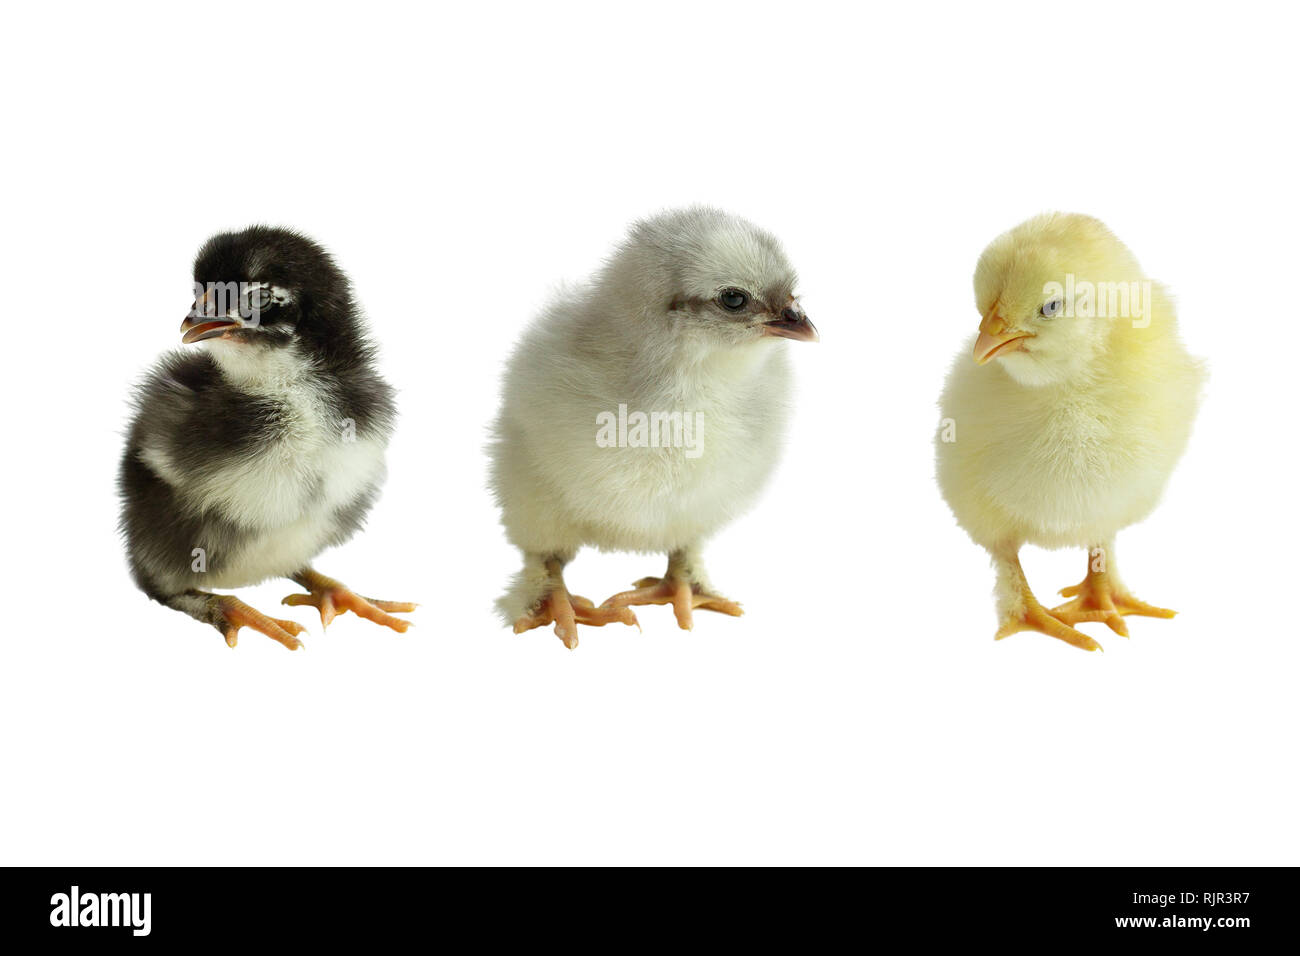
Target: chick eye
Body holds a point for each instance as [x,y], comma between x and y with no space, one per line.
[733,300]
[260,299]
[1051,308]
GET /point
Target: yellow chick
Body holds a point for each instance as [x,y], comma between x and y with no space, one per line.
[1069,421]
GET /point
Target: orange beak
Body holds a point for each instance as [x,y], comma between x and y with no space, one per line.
[996,339]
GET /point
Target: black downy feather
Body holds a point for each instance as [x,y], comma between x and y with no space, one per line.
[188,406]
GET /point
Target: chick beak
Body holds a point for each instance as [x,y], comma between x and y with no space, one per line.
[793,324]
[200,325]
[996,339]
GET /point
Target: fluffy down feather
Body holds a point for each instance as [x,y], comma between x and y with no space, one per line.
[1069,434]
[644,334]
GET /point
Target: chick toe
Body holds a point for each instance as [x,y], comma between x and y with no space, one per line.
[332,598]
[234,614]
[684,596]
[1097,594]
[1034,617]
[1127,604]
[567,612]
[1091,608]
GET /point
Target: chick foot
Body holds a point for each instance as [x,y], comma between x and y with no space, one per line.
[1021,611]
[231,614]
[568,611]
[1035,617]
[331,598]
[684,596]
[1098,594]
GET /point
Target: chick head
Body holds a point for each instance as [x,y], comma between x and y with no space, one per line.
[1024,284]
[709,277]
[267,288]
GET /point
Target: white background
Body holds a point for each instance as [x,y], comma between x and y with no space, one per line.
[460,164]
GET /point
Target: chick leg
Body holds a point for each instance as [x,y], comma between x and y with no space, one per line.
[1019,610]
[1102,591]
[228,614]
[565,609]
[333,599]
[683,586]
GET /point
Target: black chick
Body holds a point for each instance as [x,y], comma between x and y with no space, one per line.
[251,453]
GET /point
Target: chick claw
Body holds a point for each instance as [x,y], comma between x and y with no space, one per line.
[333,599]
[1095,595]
[1035,617]
[570,610]
[236,614]
[682,595]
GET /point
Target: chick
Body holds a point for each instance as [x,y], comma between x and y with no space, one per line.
[261,446]
[688,318]
[1069,421]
